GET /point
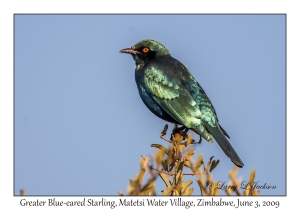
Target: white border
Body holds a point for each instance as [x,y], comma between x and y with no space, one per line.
[8,8]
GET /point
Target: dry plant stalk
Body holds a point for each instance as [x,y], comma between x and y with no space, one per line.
[171,165]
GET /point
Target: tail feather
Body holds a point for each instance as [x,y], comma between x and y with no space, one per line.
[225,145]
[224,132]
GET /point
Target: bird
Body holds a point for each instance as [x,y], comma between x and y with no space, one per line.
[171,92]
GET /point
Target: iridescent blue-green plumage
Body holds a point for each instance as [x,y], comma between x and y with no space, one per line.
[170,91]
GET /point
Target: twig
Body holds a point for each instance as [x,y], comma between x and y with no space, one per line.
[162,137]
[172,174]
[160,171]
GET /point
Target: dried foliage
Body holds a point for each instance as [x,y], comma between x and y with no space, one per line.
[22,192]
[171,165]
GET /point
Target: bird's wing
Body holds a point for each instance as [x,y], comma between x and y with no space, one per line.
[207,109]
[153,106]
[168,91]
[199,96]
[180,95]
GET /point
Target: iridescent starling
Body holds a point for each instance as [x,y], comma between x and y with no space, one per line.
[171,92]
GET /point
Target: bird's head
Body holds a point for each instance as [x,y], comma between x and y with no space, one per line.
[146,50]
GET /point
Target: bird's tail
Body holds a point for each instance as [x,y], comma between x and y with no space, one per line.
[225,145]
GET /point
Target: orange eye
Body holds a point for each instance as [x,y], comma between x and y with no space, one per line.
[145,49]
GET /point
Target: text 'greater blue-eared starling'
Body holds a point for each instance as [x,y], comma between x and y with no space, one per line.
[171,92]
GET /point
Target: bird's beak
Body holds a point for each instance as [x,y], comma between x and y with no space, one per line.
[129,51]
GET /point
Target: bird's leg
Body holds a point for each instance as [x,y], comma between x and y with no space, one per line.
[175,126]
[179,130]
[185,132]
[200,140]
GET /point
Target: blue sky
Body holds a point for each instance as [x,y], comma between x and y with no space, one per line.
[80,126]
